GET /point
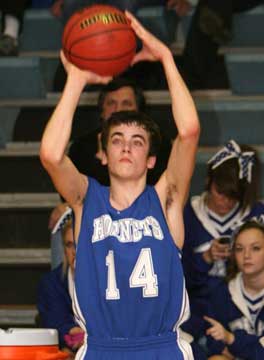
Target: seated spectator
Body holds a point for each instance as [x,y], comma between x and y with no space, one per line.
[12,21]
[236,320]
[211,26]
[231,196]
[55,292]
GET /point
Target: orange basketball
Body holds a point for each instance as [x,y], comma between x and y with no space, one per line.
[99,38]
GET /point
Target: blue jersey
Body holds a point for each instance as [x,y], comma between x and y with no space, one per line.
[130,293]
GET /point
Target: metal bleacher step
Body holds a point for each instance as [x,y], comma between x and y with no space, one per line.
[221,113]
[17,73]
[25,256]
[24,219]
[250,63]
[19,282]
[28,200]
[18,315]
[21,270]
[23,172]
[41,31]
[247,28]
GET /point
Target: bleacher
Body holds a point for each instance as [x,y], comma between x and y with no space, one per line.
[27,100]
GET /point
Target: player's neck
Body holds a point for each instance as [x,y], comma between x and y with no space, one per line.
[123,194]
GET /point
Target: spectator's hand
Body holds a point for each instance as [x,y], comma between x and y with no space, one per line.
[181,7]
[82,76]
[56,214]
[74,339]
[218,332]
[217,251]
[153,49]
[227,354]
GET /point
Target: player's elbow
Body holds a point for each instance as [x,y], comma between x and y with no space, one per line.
[191,133]
[48,157]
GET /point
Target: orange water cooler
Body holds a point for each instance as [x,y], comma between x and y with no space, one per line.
[30,344]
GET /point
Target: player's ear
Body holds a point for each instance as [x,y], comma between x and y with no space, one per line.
[151,162]
[104,158]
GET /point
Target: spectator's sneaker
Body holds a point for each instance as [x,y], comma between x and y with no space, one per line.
[8,46]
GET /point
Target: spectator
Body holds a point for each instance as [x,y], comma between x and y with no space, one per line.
[211,26]
[12,22]
[231,196]
[55,293]
[236,308]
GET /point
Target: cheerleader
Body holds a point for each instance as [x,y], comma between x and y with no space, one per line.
[236,321]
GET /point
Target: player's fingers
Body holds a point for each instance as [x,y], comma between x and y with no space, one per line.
[64,61]
[102,79]
[140,56]
[136,26]
[62,56]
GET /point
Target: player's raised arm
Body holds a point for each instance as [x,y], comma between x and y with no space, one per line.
[181,162]
[71,184]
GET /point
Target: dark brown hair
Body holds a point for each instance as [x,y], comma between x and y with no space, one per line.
[137,118]
[118,83]
[226,179]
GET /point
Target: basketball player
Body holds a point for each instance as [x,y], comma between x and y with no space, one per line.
[130,296]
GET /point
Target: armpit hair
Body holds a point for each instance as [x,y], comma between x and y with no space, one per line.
[171,191]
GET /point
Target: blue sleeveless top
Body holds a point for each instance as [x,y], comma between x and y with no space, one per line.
[129,283]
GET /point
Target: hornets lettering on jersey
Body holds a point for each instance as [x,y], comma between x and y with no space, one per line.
[126,230]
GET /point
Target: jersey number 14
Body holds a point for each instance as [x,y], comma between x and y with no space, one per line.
[142,276]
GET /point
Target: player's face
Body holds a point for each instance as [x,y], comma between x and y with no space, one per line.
[122,99]
[127,152]
[249,252]
[69,247]
[220,203]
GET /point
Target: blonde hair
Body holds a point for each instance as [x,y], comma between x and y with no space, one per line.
[66,226]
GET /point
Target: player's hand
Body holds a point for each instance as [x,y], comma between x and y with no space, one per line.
[181,7]
[218,332]
[217,251]
[82,76]
[153,49]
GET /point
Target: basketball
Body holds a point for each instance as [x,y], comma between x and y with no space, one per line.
[99,38]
